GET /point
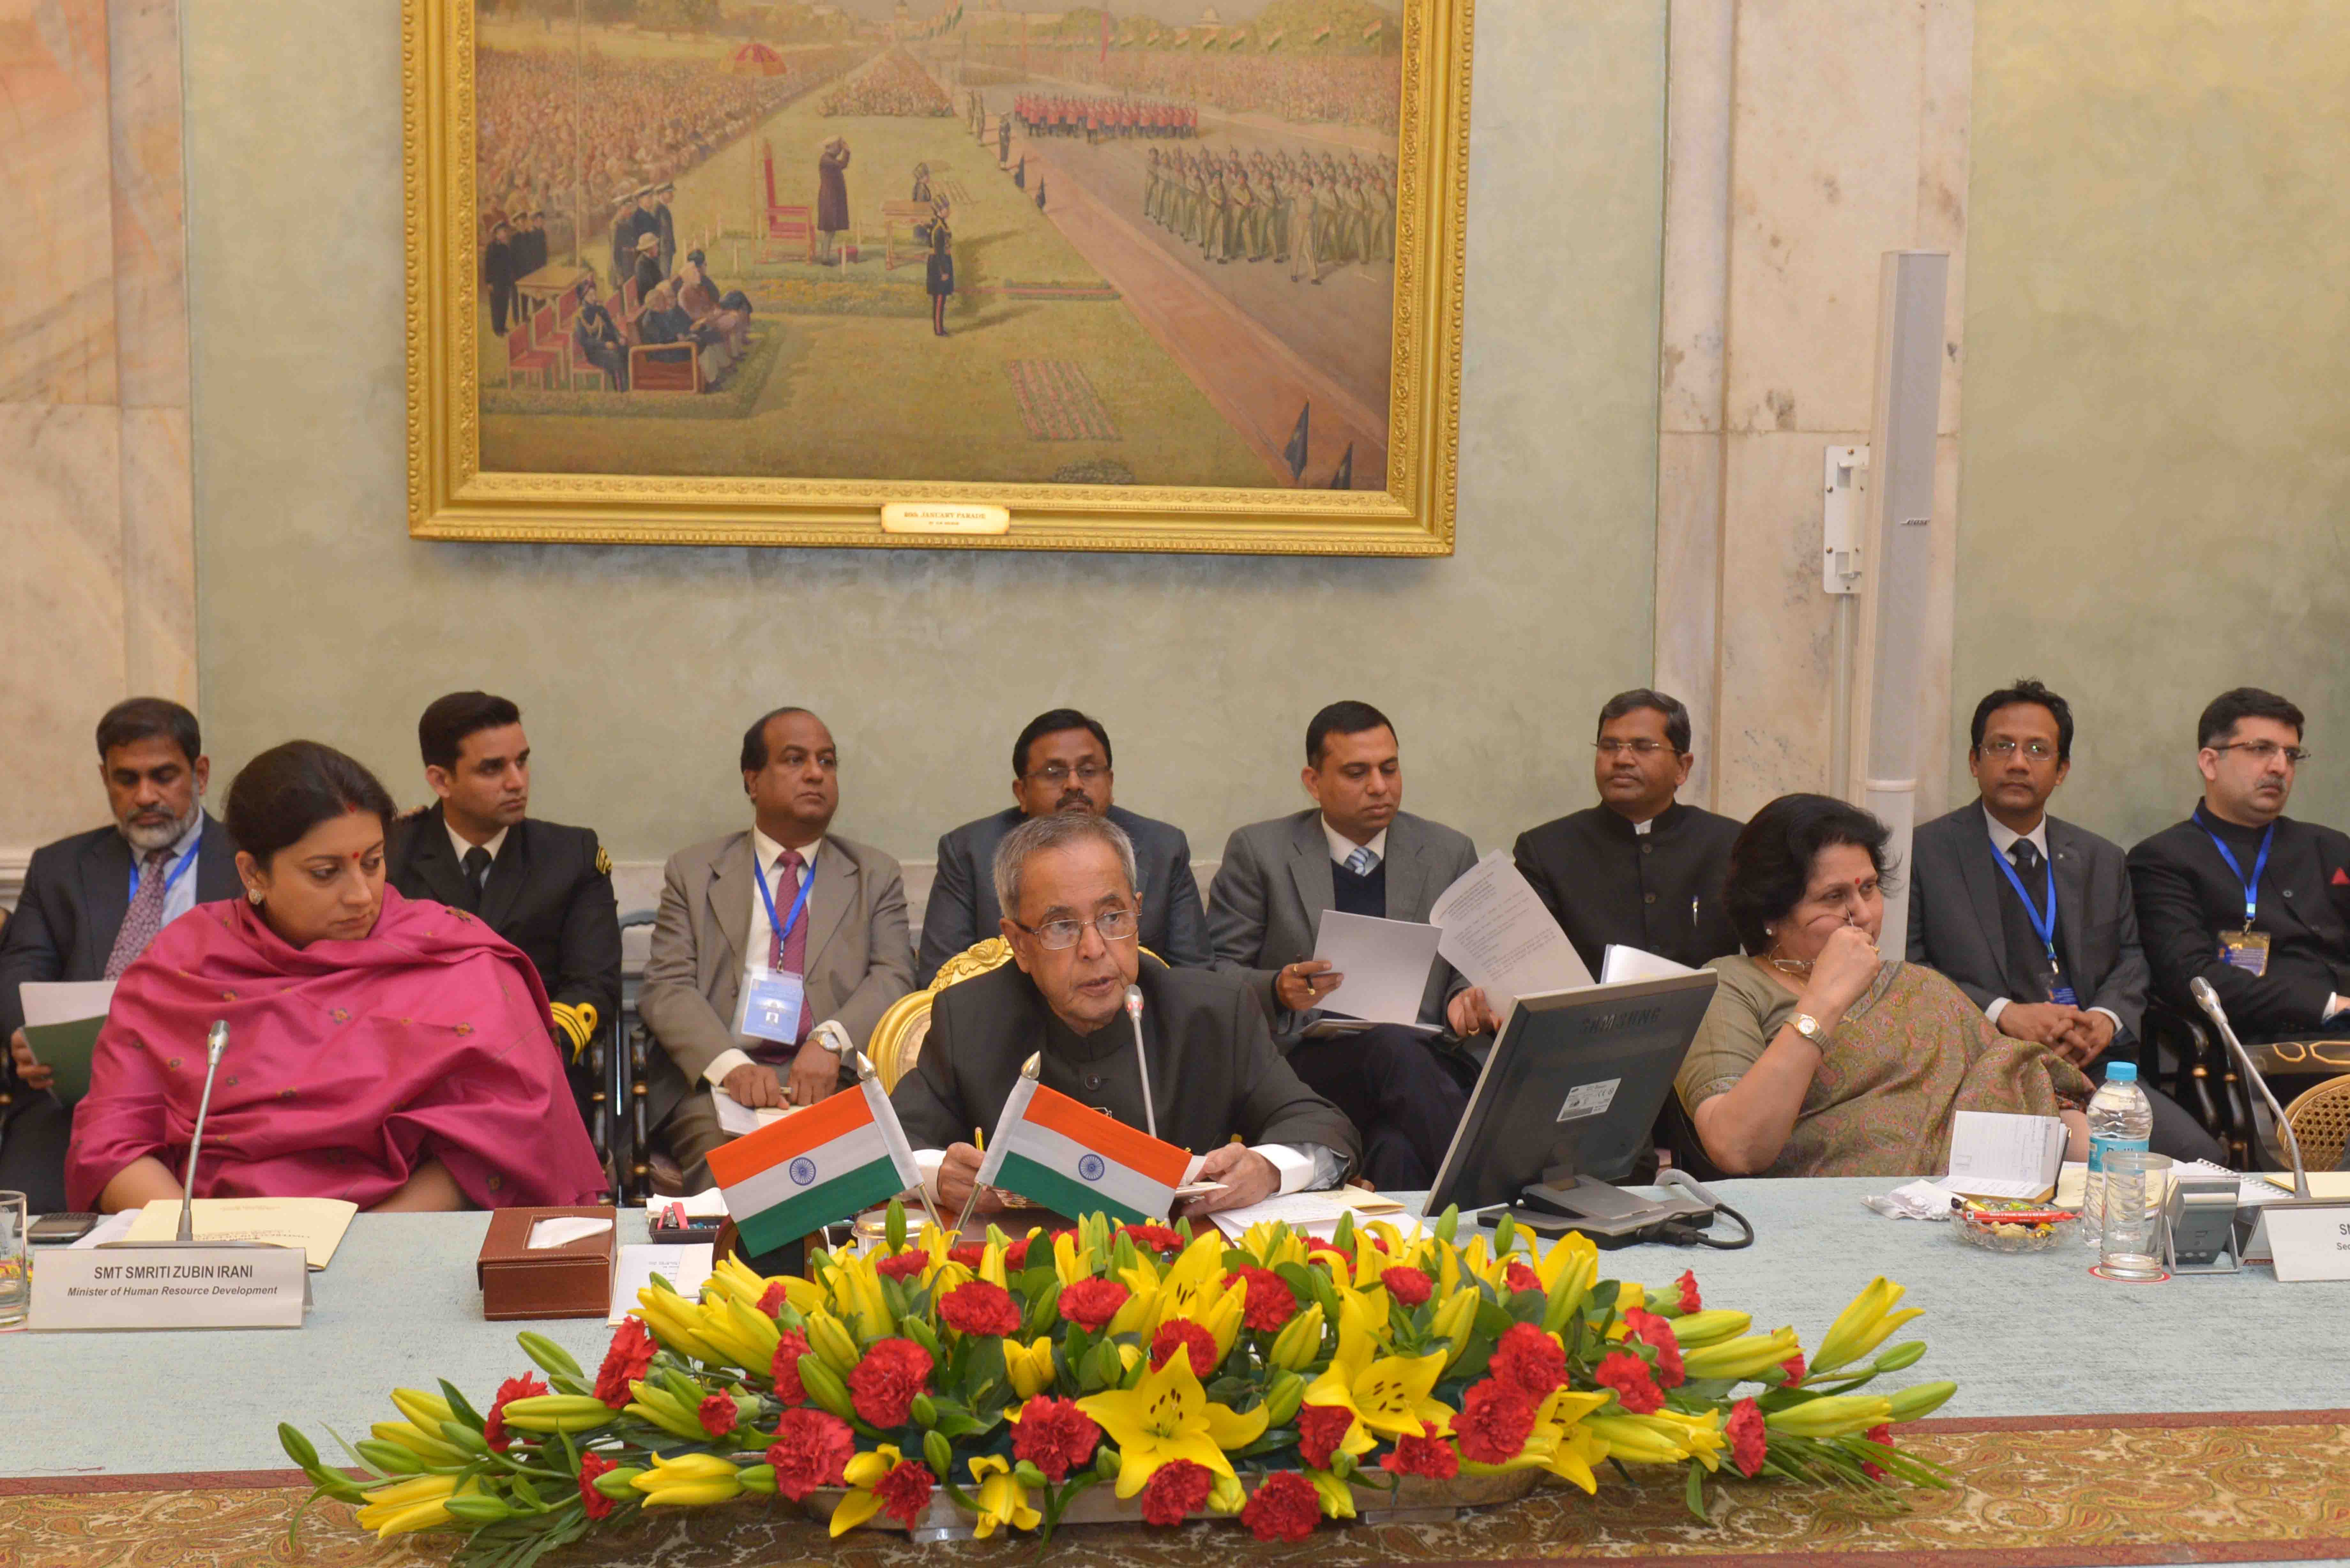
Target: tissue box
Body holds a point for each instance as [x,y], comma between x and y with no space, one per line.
[570,1280]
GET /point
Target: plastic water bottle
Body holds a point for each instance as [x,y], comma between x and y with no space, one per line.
[2120,1116]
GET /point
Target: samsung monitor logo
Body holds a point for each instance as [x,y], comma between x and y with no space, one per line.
[1608,1023]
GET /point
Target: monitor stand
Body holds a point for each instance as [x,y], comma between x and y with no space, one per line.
[1562,1202]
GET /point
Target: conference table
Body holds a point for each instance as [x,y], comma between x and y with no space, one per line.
[2196,1371]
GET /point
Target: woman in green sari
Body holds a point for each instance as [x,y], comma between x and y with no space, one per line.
[1820,1057]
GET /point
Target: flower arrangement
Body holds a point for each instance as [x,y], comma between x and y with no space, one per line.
[1274,1380]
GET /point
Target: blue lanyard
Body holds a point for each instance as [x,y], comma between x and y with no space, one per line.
[178,870]
[2260,864]
[2044,928]
[784,931]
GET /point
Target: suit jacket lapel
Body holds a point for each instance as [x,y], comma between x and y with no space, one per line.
[1982,879]
[828,900]
[1309,870]
[216,871]
[435,861]
[106,892]
[2072,864]
[1407,873]
[508,872]
[730,894]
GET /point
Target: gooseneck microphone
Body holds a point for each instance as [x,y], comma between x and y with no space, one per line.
[2209,1000]
[216,1043]
[1141,1063]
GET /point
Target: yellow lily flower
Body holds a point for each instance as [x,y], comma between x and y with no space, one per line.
[1836,1415]
[991,1258]
[1744,1358]
[1559,1441]
[426,1446]
[417,1503]
[1299,1341]
[427,1410]
[1226,1495]
[1695,1330]
[1194,1283]
[664,1410]
[856,1290]
[1863,1325]
[1002,1500]
[861,1502]
[1390,1395]
[830,1338]
[1168,1416]
[1140,1312]
[1336,1497]
[689,1481]
[732,1277]
[1448,1271]
[1030,1366]
[1365,1312]
[1640,1440]
[1273,1247]
[1630,1296]
[1070,1263]
[676,1322]
[1701,1435]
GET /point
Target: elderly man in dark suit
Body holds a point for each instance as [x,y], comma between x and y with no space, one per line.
[810,924]
[92,902]
[2031,915]
[1356,851]
[1061,762]
[1067,883]
[544,887]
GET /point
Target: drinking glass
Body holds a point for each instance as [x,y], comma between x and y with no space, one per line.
[15,1283]
[2137,1185]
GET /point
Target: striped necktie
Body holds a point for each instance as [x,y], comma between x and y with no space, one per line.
[1361,861]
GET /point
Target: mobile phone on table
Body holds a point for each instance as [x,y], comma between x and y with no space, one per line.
[50,1229]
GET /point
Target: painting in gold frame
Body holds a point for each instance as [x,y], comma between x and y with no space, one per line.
[1155,276]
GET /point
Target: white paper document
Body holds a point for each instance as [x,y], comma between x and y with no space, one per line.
[1315,1213]
[736,1118]
[565,1228]
[1619,964]
[1386,964]
[1998,1155]
[1497,932]
[64,1001]
[707,1205]
[684,1265]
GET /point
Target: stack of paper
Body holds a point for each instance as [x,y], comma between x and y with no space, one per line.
[61,1024]
[313,1224]
[1997,1156]
[685,1265]
[1314,1213]
[1384,963]
[736,1118]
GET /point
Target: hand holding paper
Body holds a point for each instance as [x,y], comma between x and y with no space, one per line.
[1496,931]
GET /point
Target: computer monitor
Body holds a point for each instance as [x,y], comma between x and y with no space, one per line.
[1567,1102]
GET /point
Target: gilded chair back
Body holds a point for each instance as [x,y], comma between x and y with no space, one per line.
[2320,1119]
[897,1041]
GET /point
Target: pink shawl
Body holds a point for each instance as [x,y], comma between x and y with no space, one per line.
[349,1064]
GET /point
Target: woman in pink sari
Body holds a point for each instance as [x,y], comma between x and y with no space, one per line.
[390,1051]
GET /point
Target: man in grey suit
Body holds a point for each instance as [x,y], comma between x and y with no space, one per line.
[2031,915]
[1062,762]
[810,925]
[1356,851]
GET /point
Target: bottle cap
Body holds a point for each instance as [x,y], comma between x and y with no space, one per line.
[2121,1072]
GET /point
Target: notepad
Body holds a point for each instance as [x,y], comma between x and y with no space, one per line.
[737,1120]
[686,1265]
[62,1020]
[1994,1155]
[1314,1213]
[313,1224]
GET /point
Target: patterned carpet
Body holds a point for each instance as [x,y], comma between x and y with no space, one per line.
[2089,1490]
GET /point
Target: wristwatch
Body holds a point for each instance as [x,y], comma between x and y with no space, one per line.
[1809,1028]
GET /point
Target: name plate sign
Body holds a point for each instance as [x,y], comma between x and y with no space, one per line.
[169,1287]
[2311,1244]
[935,518]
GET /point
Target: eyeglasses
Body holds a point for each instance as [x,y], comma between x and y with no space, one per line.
[1115,926]
[1615,748]
[2038,751]
[2262,751]
[1057,773]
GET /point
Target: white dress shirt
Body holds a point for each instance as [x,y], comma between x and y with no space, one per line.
[2003,838]
[760,938]
[461,843]
[179,885]
[1341,846]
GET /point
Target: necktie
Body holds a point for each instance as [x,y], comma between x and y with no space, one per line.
[2026,858]
[789,954]
[477,875]
[2025,955]
[1361,861]
[145,917]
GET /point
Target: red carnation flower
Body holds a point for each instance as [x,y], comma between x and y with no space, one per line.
[1286,1508]
[979,1307]
[1627,1374]
[1795,1368]
[1407,1284]
[494,1424]
[1177,1490]
[1091,1303]
[1687,1285]
[1653,1331]
[1152,1238]
[904,1266]
[1495,1418]
[1518,1277]
[1530,1360]
[905,1492]
[1320,1429]
[882,1386]
[786,1368]
[591,1465]
[969,1255]
[773,1299]
[1055,1437]
[1423,1456]
[1178,1332]
[1268,1302]
[626,1362]
[1749,1441]
[812,1449]
[1882,1433]
[1015,1254]
[717,1414]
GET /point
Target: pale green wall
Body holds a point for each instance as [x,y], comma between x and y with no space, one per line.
[2156,498]
[638,668]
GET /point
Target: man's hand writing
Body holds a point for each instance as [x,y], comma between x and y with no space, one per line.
[1248,1178]
[958,1171]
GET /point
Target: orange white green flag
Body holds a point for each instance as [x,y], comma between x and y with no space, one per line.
[838,1157]
[1072,1158]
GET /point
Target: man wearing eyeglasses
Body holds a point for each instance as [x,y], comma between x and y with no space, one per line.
[1639,870]
[2031,915]
[1061,762]
[1067,883]
[2242,895]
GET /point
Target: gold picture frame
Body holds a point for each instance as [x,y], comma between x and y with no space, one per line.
[451,496]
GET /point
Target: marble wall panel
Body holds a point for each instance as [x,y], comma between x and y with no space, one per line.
[1688,589]
[57,295]
[159,554]
[151,301]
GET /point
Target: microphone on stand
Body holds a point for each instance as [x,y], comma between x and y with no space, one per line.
[1141,1063]
[2209,1000]
[216,1043]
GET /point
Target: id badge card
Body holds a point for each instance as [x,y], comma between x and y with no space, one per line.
[771,1006]
[2246,951]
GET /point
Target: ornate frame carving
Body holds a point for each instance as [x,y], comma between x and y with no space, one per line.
[451,498]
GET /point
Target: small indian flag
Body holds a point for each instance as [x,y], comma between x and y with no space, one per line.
[1070,1157]
[838,1157]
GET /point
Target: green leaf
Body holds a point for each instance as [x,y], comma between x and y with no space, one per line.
[1694,1494]
[1448,1223]
[457,1406]
[895,1226]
